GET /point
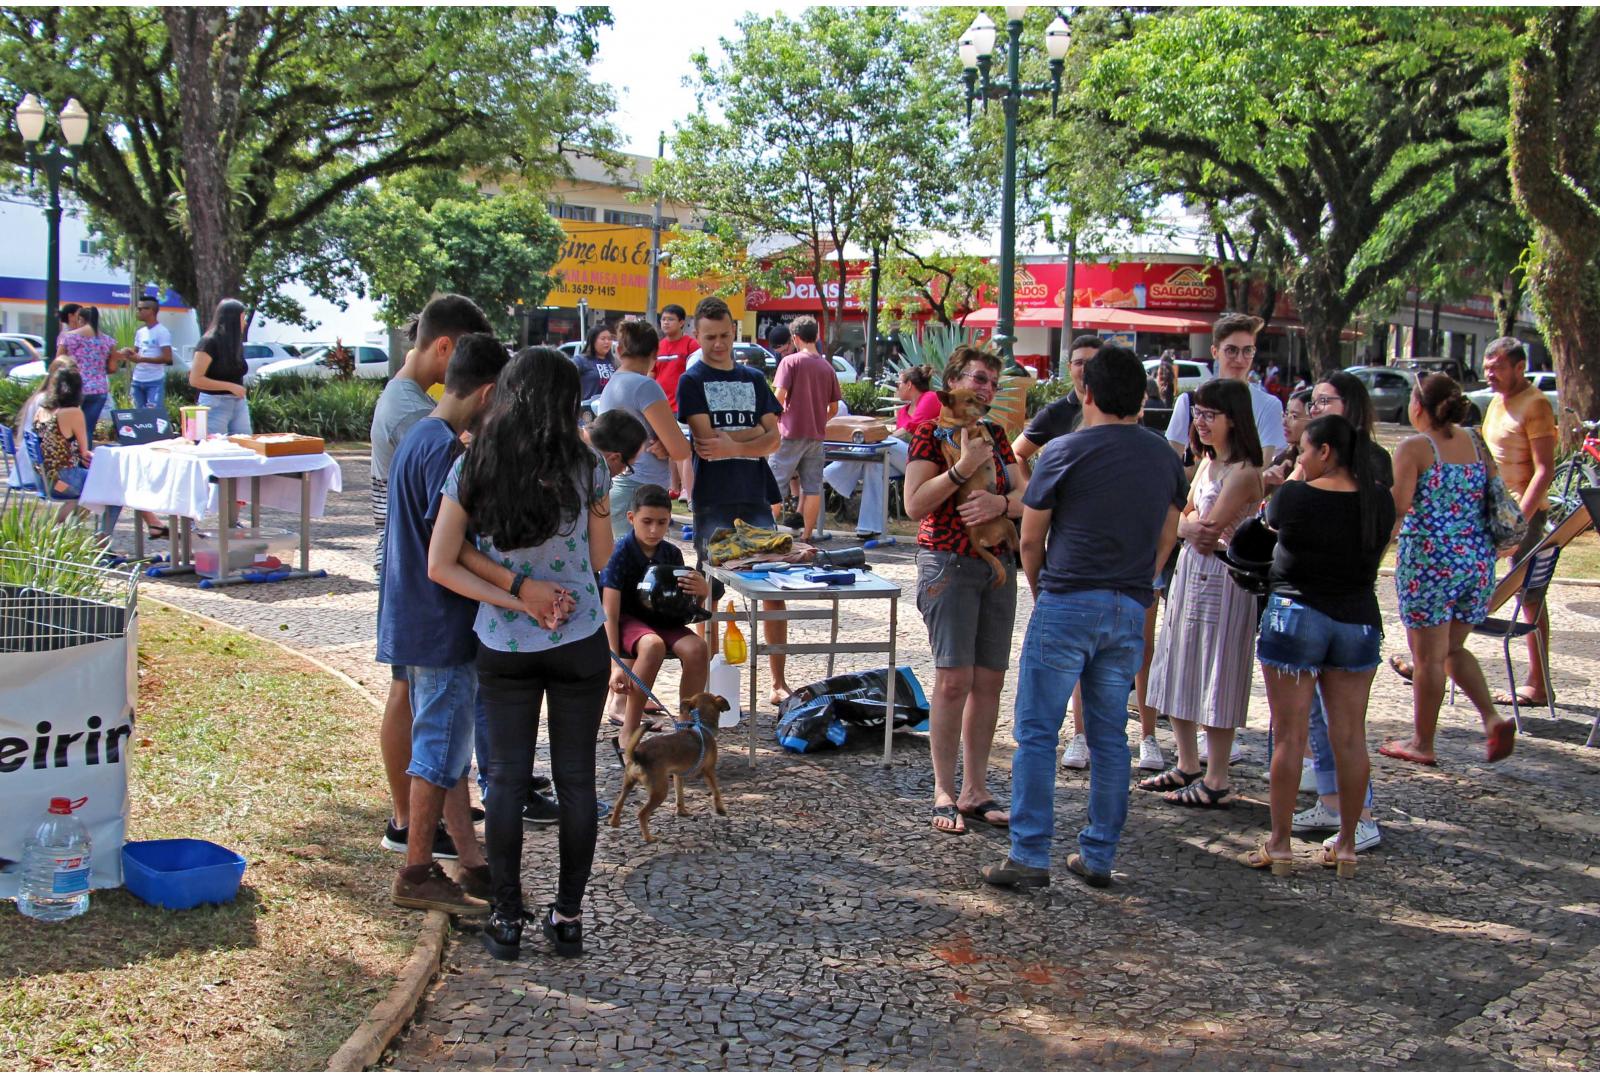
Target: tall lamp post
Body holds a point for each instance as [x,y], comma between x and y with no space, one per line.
[977,53]
[54,161]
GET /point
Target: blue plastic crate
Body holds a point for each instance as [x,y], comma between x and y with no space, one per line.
[179,874]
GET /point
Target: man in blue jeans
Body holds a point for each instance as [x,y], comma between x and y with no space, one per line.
[1101,515]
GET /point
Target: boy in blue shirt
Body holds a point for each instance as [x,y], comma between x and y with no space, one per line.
[640,633]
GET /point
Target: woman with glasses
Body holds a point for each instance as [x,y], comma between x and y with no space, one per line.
[1445,570]
[1201,673]
[919,404]
[1296,415]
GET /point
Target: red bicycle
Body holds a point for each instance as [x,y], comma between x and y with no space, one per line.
[1580,470]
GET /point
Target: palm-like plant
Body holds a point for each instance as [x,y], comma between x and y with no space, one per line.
[932,345]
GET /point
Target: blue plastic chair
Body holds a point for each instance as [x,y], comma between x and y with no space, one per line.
[47,479]
[13,467]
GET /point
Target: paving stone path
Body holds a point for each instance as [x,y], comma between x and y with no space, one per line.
[822,924]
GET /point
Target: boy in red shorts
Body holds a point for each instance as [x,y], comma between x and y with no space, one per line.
[642,634]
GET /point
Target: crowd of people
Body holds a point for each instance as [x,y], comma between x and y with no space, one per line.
[515,541]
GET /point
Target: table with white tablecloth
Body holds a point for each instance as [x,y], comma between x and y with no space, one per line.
[187,483]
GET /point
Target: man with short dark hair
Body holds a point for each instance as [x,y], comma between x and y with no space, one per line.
[1101,515]
[780,340]
[808,389]
[672,356]
[151,356]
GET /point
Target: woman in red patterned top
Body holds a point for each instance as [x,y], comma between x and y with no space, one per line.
[969,621]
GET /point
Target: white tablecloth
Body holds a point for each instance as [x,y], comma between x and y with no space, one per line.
[166,483]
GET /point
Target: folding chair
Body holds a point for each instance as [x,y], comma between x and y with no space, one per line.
[1541,569]
[13,467]
[47,478]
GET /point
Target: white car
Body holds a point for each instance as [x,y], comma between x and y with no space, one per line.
[17,350]
[258,354]
[1191,373]
[1544,380]
[764,360]
[371,363]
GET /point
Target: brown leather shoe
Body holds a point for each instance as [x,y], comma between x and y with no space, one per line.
[434,892]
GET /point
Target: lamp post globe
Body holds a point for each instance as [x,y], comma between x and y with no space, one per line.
[30,119]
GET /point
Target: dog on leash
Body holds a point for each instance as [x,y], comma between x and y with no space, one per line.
[962,411]
[691,748]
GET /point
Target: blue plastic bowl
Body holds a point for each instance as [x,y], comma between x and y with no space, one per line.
[179,874]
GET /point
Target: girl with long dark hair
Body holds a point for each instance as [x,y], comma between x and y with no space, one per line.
[218,371]
[92,352]
[534,492]
[1321,630]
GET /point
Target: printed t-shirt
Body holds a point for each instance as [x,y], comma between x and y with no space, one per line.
[1509,428]
[942,530]
[562,560]
[149,341]
[732,400]
[1108,489]
[812,385]
[90,354]
[420,623]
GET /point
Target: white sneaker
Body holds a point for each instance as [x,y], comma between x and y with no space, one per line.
[1367,835]
[1233,755]
[1308,777]
[1077,754]
[1150,757]
[1316,818]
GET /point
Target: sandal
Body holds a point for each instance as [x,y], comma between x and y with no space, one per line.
[1346,868]
[1502,740]
[1519,699]
[1402,666]
[158,532]
[1396,748]
[948,815]
[1199,797]
[1262,859]
[981,812]
[1174,779]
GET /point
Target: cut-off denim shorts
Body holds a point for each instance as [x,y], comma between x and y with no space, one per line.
[1300,640]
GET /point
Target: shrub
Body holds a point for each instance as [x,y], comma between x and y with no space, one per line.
[12,394]
[336,409]
[1042,394]
[861,397]
[57,558]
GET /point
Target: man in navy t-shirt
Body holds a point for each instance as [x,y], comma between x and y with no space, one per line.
[1101,514]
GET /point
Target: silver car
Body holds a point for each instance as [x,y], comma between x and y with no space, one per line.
[1390,389]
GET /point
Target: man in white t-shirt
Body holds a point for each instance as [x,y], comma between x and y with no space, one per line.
[152,349]
[1233,348]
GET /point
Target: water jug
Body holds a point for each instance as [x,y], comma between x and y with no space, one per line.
[725,681]
[55,865]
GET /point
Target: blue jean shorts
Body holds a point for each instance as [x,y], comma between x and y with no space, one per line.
[1301,640]
[443,701]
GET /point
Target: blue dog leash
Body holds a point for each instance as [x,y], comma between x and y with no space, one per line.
[694,724]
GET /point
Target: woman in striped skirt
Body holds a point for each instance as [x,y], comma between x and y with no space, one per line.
[1202,669]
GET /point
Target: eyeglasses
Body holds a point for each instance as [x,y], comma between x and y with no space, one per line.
[1206,416]
[1322,401]
[980,378]
[1231,351]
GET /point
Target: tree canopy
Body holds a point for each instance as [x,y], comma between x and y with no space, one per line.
[220,135]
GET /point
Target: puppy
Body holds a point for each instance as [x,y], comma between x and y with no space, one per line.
[961,410]
[673,755]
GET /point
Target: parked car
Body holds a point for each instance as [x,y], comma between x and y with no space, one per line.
[371,363]
[765,360]
[15,350]
[1191,373]
[1544,380]
[1390,389]
[1459,370]
[258,354]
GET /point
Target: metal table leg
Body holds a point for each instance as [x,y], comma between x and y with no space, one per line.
[755,652]
[255,502]
[888,712]
[226,488]
[883,489]
[833,634]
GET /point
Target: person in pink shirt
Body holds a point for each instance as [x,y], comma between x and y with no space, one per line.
[921,403]
[808,389]
[676,346]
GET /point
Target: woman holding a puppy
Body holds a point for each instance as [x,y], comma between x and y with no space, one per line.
[968,613]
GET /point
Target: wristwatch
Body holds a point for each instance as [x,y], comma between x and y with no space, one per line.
[516,585]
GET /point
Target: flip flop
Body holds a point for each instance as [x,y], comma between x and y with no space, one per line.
[1402,666]
[981,812]
[948,813]
[1502,740]
[1395,749]
[1523,701]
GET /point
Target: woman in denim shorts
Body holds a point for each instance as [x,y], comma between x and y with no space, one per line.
[1322,628]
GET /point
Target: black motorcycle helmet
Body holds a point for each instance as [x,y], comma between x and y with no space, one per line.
[661,598]
[1249,555]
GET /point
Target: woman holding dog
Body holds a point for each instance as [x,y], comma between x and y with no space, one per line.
[533,490]
[968,613]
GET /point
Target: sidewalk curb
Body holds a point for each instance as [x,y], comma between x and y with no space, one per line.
[371,1038]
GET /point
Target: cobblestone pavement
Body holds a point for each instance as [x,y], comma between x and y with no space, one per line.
[822,924]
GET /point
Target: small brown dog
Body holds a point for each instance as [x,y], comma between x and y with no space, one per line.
[684,751]
[963,411]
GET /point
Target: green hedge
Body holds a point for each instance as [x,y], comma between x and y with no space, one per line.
[861,397]
[334,409]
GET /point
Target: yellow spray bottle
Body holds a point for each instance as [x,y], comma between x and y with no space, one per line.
[734,650]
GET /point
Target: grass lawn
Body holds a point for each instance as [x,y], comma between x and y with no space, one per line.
[243,744]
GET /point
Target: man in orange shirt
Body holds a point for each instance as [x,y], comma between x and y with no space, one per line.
[1520,430]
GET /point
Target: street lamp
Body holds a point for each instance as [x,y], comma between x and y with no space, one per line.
[54,161]
[976,49]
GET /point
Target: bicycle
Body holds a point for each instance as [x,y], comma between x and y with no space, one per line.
[1580,470]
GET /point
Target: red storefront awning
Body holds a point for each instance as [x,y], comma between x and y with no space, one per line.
[1098,318]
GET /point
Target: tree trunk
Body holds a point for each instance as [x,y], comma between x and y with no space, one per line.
[1324,312]
[1508,305]
[1569,293]
[194,33]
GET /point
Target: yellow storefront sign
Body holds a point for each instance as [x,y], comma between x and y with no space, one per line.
[609,266]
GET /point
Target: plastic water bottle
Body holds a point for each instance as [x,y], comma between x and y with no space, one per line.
[55,866]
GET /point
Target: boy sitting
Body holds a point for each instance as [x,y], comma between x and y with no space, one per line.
[633,630]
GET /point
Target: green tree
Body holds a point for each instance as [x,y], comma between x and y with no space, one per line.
[220,133]
[827,137]
[1555,172]
[1357,132]
[938,280]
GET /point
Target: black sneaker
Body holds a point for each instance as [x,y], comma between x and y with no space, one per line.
[478,815]
[1014,875]
[395,839]
[541,784]
[502,937]
[540,811]
[566,937]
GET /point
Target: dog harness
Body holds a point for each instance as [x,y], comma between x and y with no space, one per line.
[694,722]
